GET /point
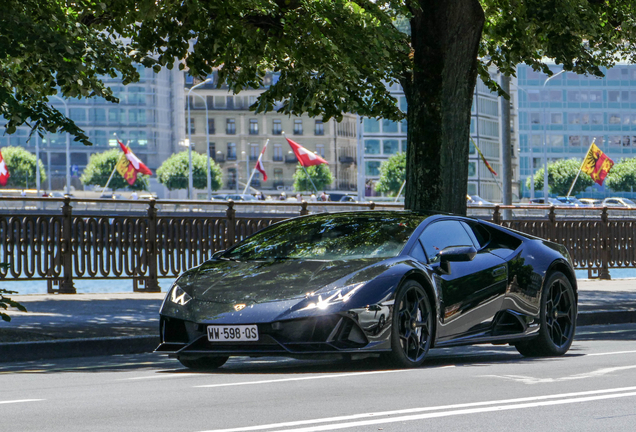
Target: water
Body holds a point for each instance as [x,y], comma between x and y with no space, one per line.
[84,286]
[125,285]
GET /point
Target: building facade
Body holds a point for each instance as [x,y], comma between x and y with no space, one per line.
[383,138]
[149,118]
[237,136]
[560,117]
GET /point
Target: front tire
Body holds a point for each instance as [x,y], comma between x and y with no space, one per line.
[203,363]
[558,320]
[412,325]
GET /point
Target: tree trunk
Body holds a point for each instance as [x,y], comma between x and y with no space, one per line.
[445,39]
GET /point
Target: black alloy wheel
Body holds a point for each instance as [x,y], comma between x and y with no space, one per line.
[558,319]
[203,363]
[412,323]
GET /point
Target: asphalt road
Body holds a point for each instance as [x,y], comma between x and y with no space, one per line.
[482,388]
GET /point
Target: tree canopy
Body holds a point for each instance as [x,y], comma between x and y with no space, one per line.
[100,167]
[392,174]
[21,166]
[173,172]
[330,57]
[622,176]
[561,174]
[320,176]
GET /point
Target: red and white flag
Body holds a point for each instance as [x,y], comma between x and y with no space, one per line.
[129,165]
[305,157]
[259,164]
[4,172]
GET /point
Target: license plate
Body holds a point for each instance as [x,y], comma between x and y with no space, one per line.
[238,333]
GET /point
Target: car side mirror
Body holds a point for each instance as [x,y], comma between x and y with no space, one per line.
[454,254]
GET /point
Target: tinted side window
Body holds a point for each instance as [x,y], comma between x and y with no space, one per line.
[440,235]
[480,234]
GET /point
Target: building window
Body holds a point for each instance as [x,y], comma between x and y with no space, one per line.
[230,102]
[472,169]
[278,153]
[212,150]
[372,168]
[230,127]
[389,126]
[371,147]
[556,118]
[390,147]
[298,127]
[574,118]
[254,151]
[231,151]
[575,141]
[211,128]
[193,129]
[253,126]
[535,118]
[319,128]
[277,127]
[614,118]
[320,150]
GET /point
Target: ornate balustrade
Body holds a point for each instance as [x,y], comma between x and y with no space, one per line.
[62,239]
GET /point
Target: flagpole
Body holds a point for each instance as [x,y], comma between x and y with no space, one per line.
[249,181]
[400,191]
[114,169]
[581,168]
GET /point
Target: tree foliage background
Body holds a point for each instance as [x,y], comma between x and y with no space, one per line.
[100,167]
[561,174]
[622,176]
[320,175]
[332,56]
[21,166]
[173,172]
[392,174]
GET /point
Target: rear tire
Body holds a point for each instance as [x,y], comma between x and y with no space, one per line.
[412,325]
[558,320]
[203,363]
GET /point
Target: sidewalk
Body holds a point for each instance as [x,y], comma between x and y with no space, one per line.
[103,324]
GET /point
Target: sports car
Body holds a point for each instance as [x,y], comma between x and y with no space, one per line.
[393,284]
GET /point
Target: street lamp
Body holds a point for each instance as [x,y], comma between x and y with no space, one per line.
[545,144]
[190,185]
[530,143]
[68,149]
[207,152]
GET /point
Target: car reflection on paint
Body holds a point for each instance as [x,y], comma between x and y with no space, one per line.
[393,284]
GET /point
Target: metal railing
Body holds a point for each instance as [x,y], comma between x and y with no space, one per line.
[63,239]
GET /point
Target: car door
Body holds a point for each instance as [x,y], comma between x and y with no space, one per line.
[472,292]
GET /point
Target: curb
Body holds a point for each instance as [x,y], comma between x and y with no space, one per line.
[606,317]
[61,348]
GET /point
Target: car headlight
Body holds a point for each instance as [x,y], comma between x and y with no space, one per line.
[324,300]
[179,296]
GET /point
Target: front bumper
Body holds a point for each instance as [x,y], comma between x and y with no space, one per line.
[335,333]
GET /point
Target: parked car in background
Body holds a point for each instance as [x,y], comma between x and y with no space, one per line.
[348,198]
[476,201]
[591,201]
[234,197]
[572,200]
[618,202]
[550,201]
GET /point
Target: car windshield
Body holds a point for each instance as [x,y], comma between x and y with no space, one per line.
[329,237]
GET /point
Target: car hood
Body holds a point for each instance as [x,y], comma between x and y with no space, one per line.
[251,282]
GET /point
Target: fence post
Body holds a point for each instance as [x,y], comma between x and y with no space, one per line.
[604,273]
[152,281]
[303,208]
[66,249]
[230,236]
[496,216]
[552,219]
[371,205]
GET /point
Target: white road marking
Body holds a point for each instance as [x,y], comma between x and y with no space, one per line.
[443,411]
[314,377]
[532,380]
[20,401]
[611,353]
